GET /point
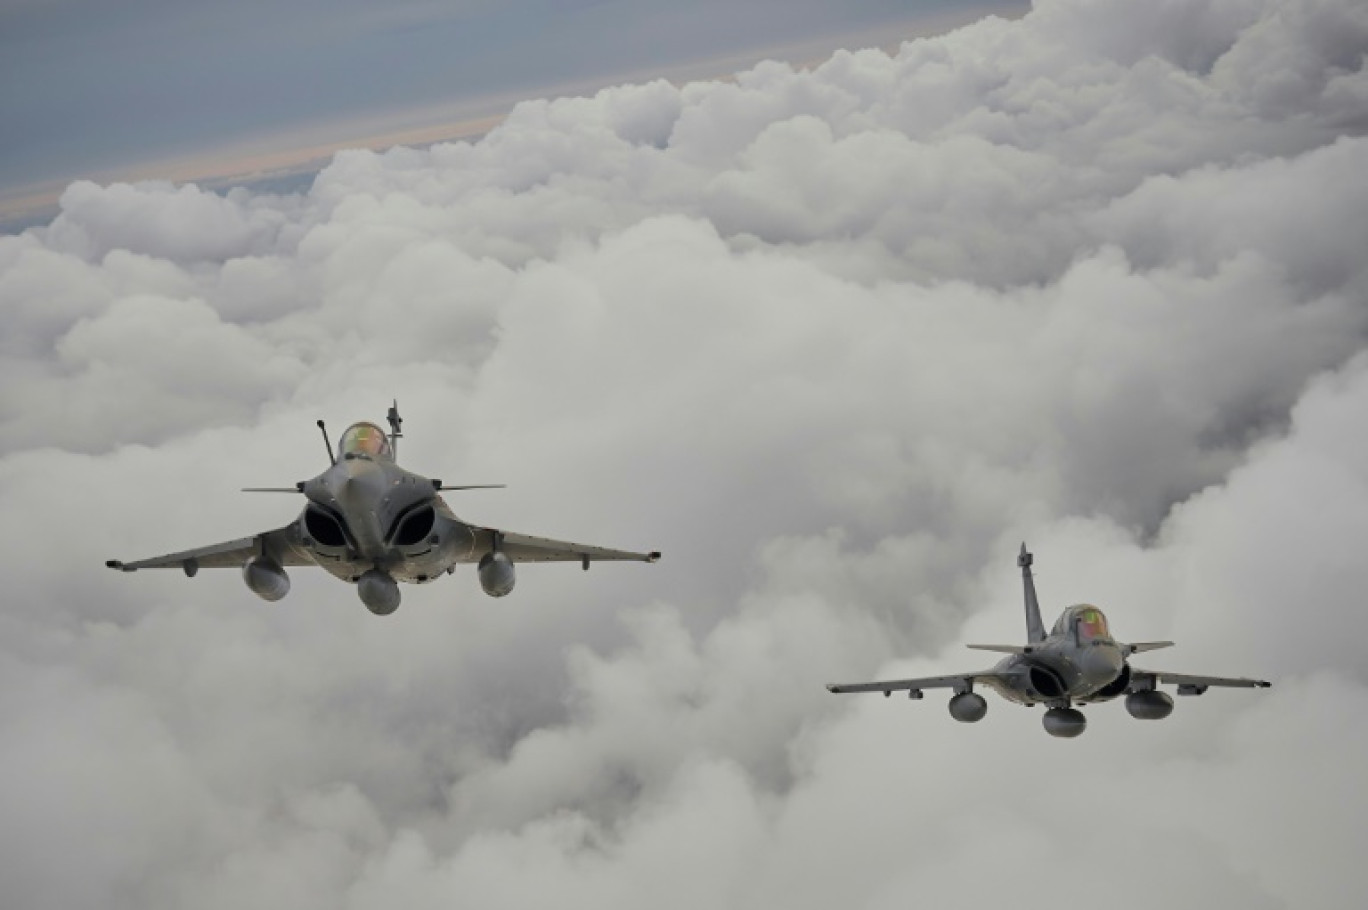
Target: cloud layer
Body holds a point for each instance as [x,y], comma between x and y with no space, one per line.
[834,340]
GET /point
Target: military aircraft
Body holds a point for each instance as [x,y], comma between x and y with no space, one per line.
[1077,663]
[371,523]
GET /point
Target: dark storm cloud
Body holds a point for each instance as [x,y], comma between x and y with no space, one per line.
[836,341]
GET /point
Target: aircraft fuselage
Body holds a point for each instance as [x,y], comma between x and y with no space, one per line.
[1076,663]
[365,513]
[1061,670]
[371,523]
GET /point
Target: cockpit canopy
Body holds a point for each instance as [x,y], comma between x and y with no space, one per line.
[1090,622]
[365,440]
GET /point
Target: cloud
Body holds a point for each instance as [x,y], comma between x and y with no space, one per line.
[836,341]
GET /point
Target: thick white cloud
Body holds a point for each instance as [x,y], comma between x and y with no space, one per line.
[836,341]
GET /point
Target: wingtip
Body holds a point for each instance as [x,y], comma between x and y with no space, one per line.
[117,565]
[832,687]
[653,556]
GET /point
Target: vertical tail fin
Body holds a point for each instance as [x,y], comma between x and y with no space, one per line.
[1035,629]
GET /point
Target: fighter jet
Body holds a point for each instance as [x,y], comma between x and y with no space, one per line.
[373,524]
[1077,663]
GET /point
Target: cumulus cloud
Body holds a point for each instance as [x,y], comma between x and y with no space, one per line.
[836,341]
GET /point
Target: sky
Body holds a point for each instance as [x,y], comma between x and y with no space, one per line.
[836,340]
[193,89]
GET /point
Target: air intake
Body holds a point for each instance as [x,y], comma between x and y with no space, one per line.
[414,527]
[324,529]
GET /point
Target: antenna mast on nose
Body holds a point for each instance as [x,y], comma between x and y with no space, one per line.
[395,422]
[326,443]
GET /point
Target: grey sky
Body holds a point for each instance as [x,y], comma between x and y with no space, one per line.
[836,341]
[86,86]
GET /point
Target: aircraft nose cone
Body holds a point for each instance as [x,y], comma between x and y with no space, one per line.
[358,488]
[1102,663]
[360,479]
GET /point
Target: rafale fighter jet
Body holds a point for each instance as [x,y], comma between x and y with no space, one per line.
[1077,663]
[371,523]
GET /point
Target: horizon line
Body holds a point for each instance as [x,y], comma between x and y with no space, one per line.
[295,153]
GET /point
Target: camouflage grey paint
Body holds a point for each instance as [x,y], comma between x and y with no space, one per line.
[371,523]
[1077,663]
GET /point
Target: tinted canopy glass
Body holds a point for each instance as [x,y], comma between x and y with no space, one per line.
[1091,623]
[1087,619]
[365,439]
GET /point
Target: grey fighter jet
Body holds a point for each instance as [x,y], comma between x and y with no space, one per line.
[1077,663]
[371,523]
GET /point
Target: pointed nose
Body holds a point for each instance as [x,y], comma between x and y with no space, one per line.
[358,488]
[360,482]
[1101,662]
